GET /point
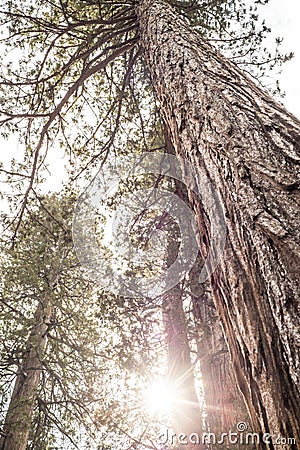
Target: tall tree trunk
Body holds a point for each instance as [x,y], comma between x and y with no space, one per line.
[248,146]
[187,415]
[20,411]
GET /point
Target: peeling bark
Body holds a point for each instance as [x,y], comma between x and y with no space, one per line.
[248,145]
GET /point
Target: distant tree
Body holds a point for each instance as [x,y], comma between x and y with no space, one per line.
[44,327]
[56,337]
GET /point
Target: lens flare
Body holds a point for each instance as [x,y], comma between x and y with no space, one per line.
[160,397]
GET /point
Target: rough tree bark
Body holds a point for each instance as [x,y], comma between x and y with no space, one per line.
[248,146]
[21,407]
[224,405]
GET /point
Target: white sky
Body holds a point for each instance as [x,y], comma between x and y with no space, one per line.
[282,17]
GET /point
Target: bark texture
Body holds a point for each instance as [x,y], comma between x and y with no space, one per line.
[248,145]
[20,411]
[224,405]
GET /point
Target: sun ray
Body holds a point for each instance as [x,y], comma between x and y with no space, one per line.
[160,397]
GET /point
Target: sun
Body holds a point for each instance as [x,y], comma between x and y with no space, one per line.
[159,397]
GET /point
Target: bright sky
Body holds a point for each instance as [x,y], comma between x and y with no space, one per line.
[283,19]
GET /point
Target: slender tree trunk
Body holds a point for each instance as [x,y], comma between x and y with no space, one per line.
[20,411]
[248,146]
[187,415]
